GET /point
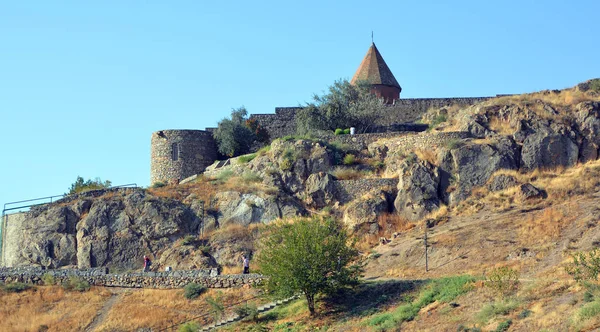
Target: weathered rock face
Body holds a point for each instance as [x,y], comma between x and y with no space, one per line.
[501,182]
[418,186]
[362,213]
[543,150]
[186,257]
[472,164]
[116,230]
[245,209]
[529,191]
[319,189]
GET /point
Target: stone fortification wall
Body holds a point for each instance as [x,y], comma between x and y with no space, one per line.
[99,277]
[361,141]
[348,190]
[283,122]
[423,141]
[411,110]
[178,154]
[280,124]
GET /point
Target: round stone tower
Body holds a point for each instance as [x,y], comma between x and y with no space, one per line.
[178,154]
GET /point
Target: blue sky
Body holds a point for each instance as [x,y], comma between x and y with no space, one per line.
[83,85]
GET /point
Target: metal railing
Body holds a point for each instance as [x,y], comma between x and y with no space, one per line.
[49,199]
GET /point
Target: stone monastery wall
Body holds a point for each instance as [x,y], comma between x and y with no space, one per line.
[99,277]
[283,122]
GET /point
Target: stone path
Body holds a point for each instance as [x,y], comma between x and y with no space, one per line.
[235,317]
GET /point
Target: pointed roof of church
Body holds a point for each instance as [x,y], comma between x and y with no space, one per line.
[374,70]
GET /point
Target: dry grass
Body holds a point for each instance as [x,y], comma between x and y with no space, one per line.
[389,224]
[567,97]
[501,126]
[346,173]
[544,225]
[53,307]
[428,155]
[156,309]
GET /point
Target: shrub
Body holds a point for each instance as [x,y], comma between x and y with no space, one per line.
[188,240]
[48,279]
[503,281]
[346,131]
[76,284]
[158,185]
[80,185]
[246,158]
[349,159]
[502,327]
[491,310]
[189,327]
[595,85]
[193,290]
[247,311]
[589,310]
[524,314]
[16,287]
[585,266]
[232,135]
[588,297]
[288,160]
[224,175]
[339,131]
[441,118]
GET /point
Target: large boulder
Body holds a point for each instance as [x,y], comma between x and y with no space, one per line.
[320,189]
[471,165]
[418,185]
[501,182]
[548,150]
[248,208]
[362,213]
[588,121]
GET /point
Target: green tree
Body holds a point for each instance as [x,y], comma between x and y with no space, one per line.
[308,255]
[233,136]
[345,105]
[80,185]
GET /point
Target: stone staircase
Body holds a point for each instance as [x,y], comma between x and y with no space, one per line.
[235,317]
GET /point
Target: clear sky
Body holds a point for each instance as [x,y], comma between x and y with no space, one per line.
[84,84]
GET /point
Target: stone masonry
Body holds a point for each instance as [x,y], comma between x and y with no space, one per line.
[100,277]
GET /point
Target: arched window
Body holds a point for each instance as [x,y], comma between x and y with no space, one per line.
[175,151]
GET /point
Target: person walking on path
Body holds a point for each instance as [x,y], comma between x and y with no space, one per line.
[246,263]
[147,263]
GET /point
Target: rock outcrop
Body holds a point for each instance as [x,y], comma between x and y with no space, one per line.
[418,186]
[362,213]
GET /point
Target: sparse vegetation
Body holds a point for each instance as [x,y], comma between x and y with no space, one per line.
[76,284]
[503,281]
[193,290]
[216,305]
[80,185]
[16,287]
[248,311]
[158,185]
[498,308]
[48,279]
[349,159]
[189,327]
[246,158]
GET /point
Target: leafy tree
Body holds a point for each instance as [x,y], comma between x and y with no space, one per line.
[307,255]
[80,185]
[233,137]
[345,105]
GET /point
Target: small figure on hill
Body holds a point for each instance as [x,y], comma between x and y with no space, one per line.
[246,263]
[147,263]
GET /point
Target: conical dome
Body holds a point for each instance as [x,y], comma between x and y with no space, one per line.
[374,70]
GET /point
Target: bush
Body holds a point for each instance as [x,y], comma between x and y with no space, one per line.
[585,266]
[189,327]
[588,297]
[247,311]
[193,290]
[349,159]
[504,281]
[80,185]
[346,131]
[589,310]
[76,284]
[232,135]
[339,131]
[246,158]
[288,160]
[491,310]
[188,240]
[16,287]
[158,185]
[48,279]
[595,85]
[437,120]
[502,327]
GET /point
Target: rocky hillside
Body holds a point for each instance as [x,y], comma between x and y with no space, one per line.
[377,183]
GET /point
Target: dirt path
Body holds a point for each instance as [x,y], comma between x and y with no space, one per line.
[116,295]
